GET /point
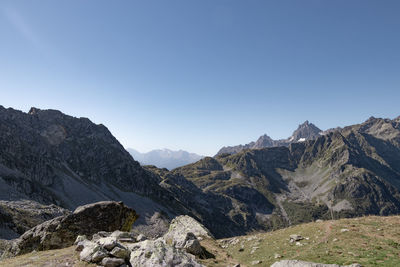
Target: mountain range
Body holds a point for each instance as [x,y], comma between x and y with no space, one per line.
[165,158]
[52,158]
[304,132]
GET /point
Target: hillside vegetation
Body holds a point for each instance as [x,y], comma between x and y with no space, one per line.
[369,241]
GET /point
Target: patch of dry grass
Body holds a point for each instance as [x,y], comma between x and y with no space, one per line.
[370,241]
[51,258]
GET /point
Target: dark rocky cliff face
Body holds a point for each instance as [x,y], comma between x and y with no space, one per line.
[54,158]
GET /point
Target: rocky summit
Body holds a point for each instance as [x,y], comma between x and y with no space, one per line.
[305,131]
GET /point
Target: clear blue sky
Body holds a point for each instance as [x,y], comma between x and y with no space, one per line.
[198,75]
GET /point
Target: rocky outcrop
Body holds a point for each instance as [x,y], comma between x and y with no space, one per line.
[185,232]
[157,252]
[177,248]
[297,263]
[85,220]
[108,251]
[182,225]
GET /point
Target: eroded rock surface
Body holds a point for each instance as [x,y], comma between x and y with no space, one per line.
[17,217]
[157,252]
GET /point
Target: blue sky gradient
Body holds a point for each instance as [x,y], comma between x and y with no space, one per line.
[199,75]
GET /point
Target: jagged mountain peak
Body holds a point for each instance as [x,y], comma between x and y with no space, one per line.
[263,141]
[305,131]
[33,111]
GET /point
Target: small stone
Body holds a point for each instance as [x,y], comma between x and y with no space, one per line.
[256,262]
[80,246]
[126,240]
[140,238]
[344,230]
[335,239]
[253,250]
[88,251]
[112,262]
[277,256]
[107,242]
[119,234]
[121,252]
[294,238]
[80,238]
[193,247]
[98,256]
[319,221]
[299,244]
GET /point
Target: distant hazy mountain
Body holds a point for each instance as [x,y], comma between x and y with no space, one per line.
[304,132]
[165,158]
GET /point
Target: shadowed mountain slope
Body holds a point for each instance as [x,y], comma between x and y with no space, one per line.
[53,158]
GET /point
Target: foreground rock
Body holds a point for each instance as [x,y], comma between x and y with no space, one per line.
[185,232]
[157,252]
[106,251]
[184,224]
[120,249]
[178,247]
[296,263]
[62,231]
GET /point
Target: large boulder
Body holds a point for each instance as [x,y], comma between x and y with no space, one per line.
[182,225]
[297,263]
[185,233]
[157,252]
[62,231]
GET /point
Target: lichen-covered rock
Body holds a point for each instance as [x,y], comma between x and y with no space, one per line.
[89,249]
[297,263]
[184,224]
[157,252]
[140,238]
[121,251]
[99,255]
[85,220]
[80,238]
[107,242]
[184,232]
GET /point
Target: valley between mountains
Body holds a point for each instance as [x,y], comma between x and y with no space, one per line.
[51,163]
